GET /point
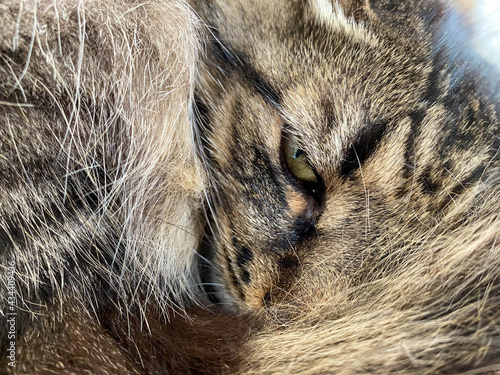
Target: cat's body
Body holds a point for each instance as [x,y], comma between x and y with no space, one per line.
[371,248]
[100,194]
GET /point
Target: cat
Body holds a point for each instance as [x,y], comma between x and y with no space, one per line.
[352,152]
[101,190]
[229,186]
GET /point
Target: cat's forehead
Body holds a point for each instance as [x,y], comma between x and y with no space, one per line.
[323,60]
[350,91]
[330,75]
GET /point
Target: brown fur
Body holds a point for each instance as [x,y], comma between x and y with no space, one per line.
[393,266]
[100,190]
[389,264]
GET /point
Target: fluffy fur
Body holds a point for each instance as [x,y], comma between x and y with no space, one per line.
[143,179]
[101,191]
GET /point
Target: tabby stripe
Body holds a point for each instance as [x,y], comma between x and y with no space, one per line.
[239,62]
[363,147]
[243,257]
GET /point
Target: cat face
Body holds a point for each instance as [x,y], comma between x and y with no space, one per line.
[329,136]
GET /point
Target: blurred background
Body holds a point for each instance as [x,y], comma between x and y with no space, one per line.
[485,27]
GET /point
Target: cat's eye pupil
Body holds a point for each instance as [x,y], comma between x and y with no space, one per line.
[296,160]
[298,153]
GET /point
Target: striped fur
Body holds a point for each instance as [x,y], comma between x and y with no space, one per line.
[390,263]
[153,225]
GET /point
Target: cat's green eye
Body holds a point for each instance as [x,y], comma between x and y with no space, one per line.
[296,160]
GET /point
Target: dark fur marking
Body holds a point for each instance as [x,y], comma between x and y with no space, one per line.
[239,62]
[288,261]
[268,177]
[460,187]
[243,257]
[429,185]
[245,276]
[431,95]
[473,177]
[417,117]
[250,156]
[243,254]
[362,148]
[461,137]
[302,229]
[409,166]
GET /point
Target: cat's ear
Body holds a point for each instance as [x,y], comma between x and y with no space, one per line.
[358,9]
[324,9]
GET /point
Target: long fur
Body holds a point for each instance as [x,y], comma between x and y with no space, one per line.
[437,314]
[151,225]
[101,191]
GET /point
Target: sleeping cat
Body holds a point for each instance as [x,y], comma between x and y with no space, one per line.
[352,155]
[287,186]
